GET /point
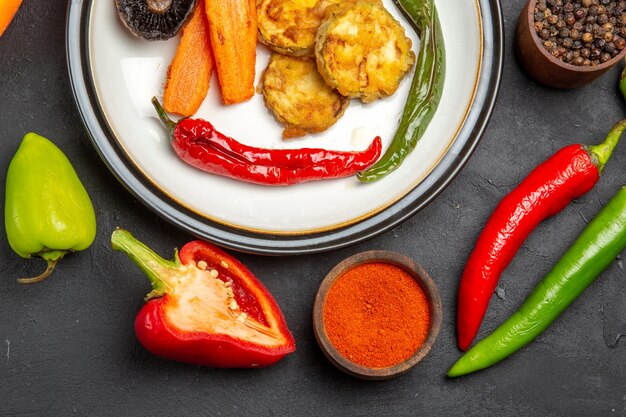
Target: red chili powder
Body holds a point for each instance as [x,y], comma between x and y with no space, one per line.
[376,315]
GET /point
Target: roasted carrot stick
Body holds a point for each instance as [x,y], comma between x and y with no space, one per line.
[190,71]
[8,8]
[233,28]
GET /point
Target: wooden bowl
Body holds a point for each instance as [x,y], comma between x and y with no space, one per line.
[418,273]
[545,68]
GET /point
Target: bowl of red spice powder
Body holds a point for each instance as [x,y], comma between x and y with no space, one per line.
[377,314]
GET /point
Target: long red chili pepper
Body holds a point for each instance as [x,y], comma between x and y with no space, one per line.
[568,174]
[198,143]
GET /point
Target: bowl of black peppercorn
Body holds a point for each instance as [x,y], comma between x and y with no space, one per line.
[569,43]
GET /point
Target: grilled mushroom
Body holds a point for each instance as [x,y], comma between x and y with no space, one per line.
[154,19]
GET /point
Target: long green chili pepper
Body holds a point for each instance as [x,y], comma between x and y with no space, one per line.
[425,92]
[594,249]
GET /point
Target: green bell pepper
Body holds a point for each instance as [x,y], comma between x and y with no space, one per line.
[48,212]
[594,250]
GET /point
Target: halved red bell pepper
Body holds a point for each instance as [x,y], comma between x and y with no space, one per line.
[206,308]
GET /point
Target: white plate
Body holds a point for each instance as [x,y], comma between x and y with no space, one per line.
[121,73]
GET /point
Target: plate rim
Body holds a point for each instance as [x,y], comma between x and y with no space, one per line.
[103,140]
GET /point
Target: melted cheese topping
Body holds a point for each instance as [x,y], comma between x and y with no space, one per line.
[289,26]
[299,96]
[362,51]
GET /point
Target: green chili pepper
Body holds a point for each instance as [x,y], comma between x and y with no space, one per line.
[594,249]
[425,92]
[47,210]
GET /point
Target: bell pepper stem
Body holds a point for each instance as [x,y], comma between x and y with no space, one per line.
[45,274]
[603,151]
[167,122]
[154,266]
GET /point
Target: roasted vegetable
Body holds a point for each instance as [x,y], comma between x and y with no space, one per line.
[47,210]
[198,144]
[206,308]
[289,26]
[189,74]
[154,20]
[362,51]
[299,97]
[233,30]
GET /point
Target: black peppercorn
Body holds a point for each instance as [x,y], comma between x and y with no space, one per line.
[595,53]
[578,26]
[569,56]
[544,34]
[567,43]
[603,18]
[580,14]
[620,43]
[600,43]
[577,45]
[585,53]
[610,47]
[578,61]
[538,27]
[605,57]
[568,7]
[586,63]
[552,19]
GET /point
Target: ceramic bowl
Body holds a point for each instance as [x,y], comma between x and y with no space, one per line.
[423,279]
[544,67]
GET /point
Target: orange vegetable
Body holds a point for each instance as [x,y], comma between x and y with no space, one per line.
[189,75]
[233,28]
[8,8]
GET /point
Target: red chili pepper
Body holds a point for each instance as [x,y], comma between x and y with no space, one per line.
[197,143]
[568,174]
[206,308]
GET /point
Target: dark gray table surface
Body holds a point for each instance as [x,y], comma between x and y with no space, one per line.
[67,346]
